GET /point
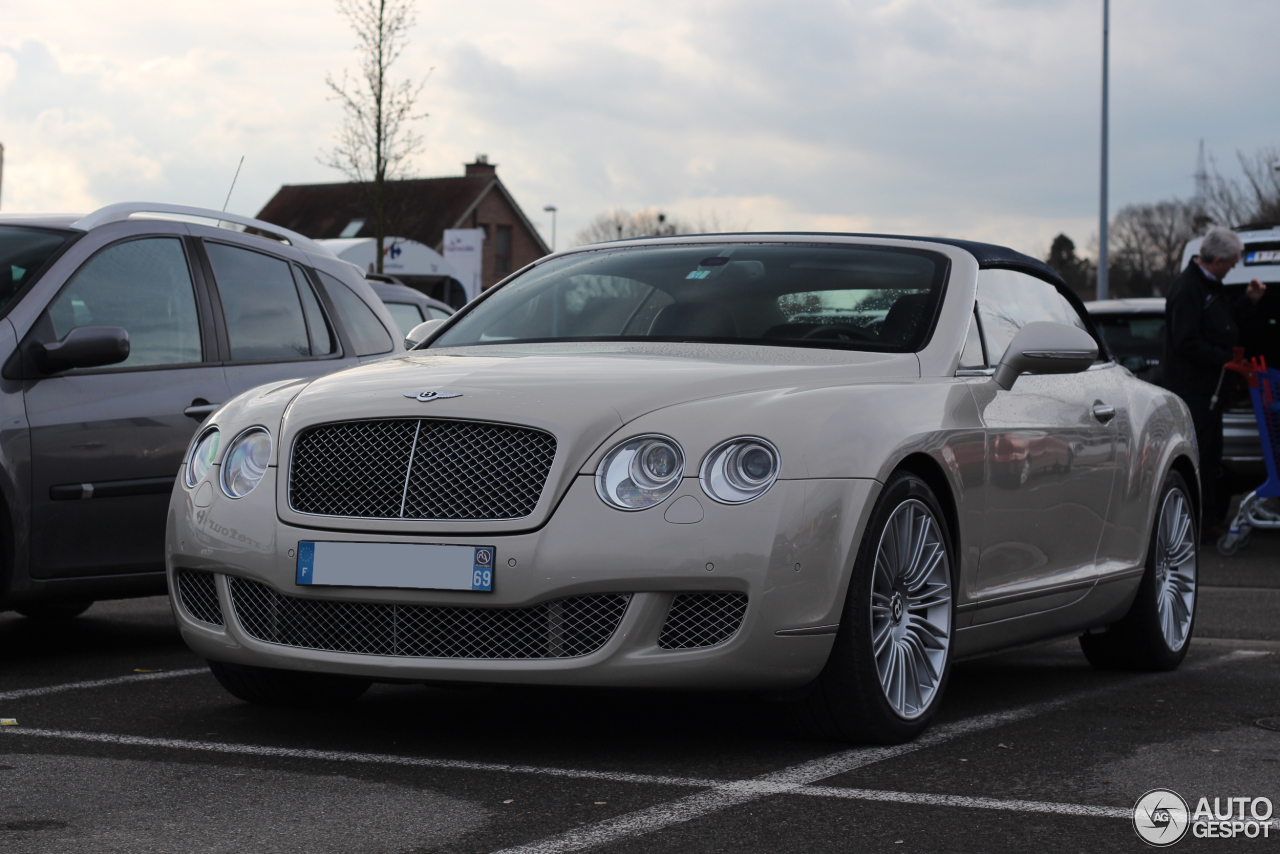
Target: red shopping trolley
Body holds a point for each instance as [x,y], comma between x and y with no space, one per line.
[1254,512]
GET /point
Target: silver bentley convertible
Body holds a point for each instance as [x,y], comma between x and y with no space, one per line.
[824,464]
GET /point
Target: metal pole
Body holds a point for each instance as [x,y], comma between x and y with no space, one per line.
[1103,289]
[552,210]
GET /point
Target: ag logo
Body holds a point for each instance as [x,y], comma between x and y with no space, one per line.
[1161,817]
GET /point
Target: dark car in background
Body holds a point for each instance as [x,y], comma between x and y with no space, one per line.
[1134,332]
[120,332]
[408,307]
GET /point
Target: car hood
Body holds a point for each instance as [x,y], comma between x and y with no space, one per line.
[623,380]
[580,393]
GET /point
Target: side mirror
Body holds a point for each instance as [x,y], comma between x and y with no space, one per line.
[1046,348]
[421,333]
[84,347]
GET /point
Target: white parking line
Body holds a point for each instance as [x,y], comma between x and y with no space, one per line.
[963,801]
[718,794]
[799,777]
[100,683]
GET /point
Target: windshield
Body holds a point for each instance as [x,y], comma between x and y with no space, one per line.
[796,295]
[23,251]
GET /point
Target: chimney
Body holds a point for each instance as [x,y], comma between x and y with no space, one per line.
[482,168]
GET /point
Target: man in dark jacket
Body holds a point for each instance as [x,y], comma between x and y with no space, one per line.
[1201,327]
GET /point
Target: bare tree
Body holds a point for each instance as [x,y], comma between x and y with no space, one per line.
[376,140]
[620,224]
[1147,244]
[1256,199]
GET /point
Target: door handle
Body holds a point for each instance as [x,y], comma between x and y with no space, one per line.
[200,409]
[1104,413]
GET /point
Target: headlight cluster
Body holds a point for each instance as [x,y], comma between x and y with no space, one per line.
[202,456]
[644,471]
[243,466]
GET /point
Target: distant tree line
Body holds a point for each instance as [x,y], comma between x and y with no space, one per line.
[1147,240]
[621,224]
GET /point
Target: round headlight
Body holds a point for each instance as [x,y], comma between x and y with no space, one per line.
[246,462]
[739,470]
[202,457]
[640,473]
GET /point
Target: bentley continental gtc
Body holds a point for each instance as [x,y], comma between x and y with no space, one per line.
[824,466]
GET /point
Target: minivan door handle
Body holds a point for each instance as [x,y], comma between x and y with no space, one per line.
[200,409]
[1104,413]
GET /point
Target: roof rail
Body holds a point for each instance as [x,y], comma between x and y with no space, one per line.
[123,210]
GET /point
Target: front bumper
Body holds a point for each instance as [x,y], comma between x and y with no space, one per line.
[788,552]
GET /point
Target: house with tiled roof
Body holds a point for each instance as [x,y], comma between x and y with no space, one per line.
[420,209]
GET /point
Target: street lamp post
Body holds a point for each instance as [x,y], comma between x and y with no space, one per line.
[1103,289]
[551,209]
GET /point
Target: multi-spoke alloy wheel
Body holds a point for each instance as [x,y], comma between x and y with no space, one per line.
[889,664]
[1156,633]
[1175,568]
[911,609]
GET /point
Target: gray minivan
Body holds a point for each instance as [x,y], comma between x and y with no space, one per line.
[120,332]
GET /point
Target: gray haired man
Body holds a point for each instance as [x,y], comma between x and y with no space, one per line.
[1201,327]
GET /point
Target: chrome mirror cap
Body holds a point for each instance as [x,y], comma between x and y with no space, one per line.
[421,332]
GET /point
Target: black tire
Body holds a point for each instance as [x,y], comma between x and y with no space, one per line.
[1138,641]
[847,702]
[263,686]
[54,610]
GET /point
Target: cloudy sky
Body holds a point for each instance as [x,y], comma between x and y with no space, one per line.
[970,118]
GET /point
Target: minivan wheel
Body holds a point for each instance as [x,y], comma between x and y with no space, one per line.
[54,610]
[889,665]
[1156,633]
[264,686]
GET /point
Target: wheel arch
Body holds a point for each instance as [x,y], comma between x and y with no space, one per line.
[1183,465]
[929,470]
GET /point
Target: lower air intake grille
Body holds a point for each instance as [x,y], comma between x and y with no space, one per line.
[702,619]
[199,594]
[563,628]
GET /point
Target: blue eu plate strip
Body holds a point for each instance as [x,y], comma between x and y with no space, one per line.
[306,562]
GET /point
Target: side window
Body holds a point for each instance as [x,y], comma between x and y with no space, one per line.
[405,314]
[971,356]
[367,334]
[1008,301]
[143,286]
[438,313]
[261,304]
[323,341]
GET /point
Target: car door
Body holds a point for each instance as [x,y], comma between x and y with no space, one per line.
[273,325]
[106,443]
[1050,461]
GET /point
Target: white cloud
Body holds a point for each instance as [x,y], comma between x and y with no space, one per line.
[974,119]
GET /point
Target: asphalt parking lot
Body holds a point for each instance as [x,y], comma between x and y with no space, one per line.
[124,742]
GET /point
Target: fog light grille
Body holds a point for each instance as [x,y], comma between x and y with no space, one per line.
[702,619]
[563,628]
[198,592]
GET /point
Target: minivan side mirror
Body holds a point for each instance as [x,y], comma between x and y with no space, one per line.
[1046,348]
[83,347]
[421,332]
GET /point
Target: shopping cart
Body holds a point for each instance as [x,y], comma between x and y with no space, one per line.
[1254,512]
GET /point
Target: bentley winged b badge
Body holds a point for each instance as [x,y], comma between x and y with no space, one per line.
[427,396]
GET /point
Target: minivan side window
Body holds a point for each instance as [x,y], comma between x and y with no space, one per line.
[367,333]
[323,342]
[261,304]
[1009,300]
[143,286]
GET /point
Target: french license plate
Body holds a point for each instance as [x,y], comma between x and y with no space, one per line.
[1266,256]
[411,565]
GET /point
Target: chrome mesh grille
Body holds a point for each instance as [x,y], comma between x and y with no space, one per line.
[563,628]
[420,469]
[702,619]
[198,592]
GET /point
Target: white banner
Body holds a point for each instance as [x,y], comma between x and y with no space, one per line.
[462,249]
